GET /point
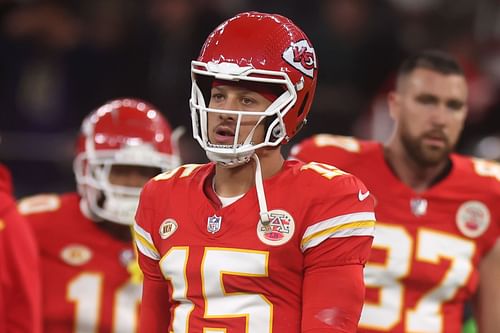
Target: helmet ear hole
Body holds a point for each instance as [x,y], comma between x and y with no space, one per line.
[277,132]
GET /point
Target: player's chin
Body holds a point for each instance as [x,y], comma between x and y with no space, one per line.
[434,155]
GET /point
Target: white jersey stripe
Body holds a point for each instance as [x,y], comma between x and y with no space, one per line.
[356,224]
[144,243]
[364,228]
[338,220]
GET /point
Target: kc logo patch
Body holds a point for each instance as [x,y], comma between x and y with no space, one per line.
[214,224]
[76,254]
[473,218]
[301,55]
[279,230]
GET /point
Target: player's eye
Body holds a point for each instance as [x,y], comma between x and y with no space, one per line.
[426,99]
[217,97]
[247,101]
[455,104]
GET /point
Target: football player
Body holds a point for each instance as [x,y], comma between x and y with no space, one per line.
[435,246]
[20,287]
[91,280]
[250,243]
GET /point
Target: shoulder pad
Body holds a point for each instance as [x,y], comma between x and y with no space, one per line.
[348,143]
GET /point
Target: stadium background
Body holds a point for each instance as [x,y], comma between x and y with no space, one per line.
[61,59]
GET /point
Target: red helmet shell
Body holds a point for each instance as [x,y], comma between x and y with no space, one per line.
[119,122]
[268,42]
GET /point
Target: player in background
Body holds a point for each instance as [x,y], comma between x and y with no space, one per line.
[20,287]
[252,243]
[91,280]
[436,245]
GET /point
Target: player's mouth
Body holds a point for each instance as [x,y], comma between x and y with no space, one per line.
[435,140]
[224,135]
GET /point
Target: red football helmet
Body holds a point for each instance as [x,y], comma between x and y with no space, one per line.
[255,48]
[121,132]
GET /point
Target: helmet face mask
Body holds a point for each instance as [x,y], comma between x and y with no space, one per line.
[127,133]
[254,48]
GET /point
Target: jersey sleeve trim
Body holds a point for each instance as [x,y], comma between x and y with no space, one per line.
[356,224]
[144,243]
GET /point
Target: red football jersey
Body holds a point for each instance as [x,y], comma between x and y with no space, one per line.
[20,293]
[427,246]
[229,273]
[86,284]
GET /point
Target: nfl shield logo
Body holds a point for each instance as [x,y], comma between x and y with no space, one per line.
[418,206]
[213,223]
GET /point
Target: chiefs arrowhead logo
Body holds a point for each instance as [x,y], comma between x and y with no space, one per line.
[301,56]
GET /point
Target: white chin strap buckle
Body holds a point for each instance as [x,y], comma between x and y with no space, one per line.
[264,218]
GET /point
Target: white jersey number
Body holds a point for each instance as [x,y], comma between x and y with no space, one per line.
[216,263]
[86,291]
[431,247]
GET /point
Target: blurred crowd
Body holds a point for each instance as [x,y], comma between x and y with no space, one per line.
[61,59]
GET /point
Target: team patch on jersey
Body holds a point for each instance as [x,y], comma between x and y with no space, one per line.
[301,55]
[473,218]
[279,230]
[167,228]
[214,223]
[76,254]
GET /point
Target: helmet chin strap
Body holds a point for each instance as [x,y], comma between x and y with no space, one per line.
[234,160]
[261,195]
[259,185]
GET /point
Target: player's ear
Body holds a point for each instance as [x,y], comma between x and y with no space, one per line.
[394,104]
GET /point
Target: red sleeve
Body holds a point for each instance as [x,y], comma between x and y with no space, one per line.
[20,287]
[333,295]
[155,305]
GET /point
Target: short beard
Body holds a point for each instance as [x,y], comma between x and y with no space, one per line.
[424,156]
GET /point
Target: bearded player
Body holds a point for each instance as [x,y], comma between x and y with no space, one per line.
[435,245]
[251,243]
[91,282]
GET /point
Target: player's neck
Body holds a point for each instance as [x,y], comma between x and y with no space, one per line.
[414,175]
[231,182]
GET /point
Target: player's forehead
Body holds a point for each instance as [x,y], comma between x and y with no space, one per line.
[427,81]
[233,88]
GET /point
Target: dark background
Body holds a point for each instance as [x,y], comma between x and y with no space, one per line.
[61,59]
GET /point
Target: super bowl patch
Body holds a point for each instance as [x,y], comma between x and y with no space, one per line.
[279,230]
